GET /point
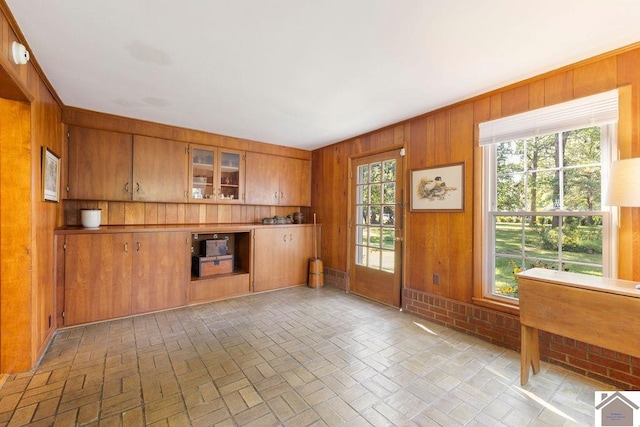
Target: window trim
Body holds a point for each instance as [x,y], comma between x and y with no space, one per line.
[625,260]
[610,234]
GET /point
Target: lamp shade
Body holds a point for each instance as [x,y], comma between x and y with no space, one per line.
[624,183]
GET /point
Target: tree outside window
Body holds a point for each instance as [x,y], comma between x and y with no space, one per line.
[546,202]
[376,215]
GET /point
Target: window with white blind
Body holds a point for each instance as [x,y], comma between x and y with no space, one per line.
[544,181]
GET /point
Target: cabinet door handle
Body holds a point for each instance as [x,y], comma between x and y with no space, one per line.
[284,238]
[281,195]
[137,246]
[291,237]
[137,187]
[275,195]
[126,187]
[185,195]
[126,248]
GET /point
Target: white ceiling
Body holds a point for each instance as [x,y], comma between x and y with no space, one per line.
[306,73]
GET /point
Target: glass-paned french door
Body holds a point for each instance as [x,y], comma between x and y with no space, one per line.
[376,215]
[376,221]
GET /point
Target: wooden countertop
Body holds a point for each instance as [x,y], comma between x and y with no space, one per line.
[583,281]
[194,228]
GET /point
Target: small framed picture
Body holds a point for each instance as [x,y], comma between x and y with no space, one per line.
[50,175]
[438,189]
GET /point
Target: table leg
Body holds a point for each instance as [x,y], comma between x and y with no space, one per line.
[529,353]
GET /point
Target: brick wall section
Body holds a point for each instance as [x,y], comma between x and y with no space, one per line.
[620,370]
[336,278]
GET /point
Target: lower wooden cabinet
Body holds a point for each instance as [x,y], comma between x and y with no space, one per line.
[111,275]
[281,257]
[232,282]
[161,268]
[218,288]
[114,274]
[97,279]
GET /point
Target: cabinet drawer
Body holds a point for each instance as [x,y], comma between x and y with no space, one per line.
[219,287]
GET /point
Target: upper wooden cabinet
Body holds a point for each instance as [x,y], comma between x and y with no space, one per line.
[216,175]
[160,169]
[262,179]
[114,166]
[274,180]
[100,165]
[231,176]
[295,182]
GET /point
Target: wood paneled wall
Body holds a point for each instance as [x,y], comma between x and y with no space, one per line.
[13,78]
[443,243]
[27,222]
[46,130]
[15,221]
[129,213]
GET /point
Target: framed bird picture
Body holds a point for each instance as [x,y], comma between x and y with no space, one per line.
[50,175]
[438,189]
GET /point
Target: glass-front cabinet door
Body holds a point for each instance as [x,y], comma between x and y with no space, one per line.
[202,169]
[231,178]
[217,175]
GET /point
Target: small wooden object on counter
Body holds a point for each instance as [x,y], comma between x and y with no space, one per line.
[316,269]
[595,310]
